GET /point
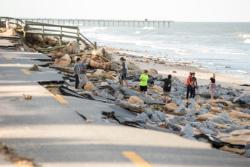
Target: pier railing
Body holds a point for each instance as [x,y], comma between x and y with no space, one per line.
[61,31]
[45,29]
[13,21]
[104,23]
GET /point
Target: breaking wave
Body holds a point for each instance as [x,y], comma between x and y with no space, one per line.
[245,37]
[247,41]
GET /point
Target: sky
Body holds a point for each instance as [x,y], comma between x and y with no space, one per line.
[176,10]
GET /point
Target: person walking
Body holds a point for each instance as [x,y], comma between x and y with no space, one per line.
[167,84]
[194,86]
[77,72]
[80,70]
[144,81]
[188,85]
[123,72]
[212,87]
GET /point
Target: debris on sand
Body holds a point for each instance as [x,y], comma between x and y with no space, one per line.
[34,68]
[223,122]
[27,97]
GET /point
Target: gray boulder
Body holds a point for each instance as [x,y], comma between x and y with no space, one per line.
[222,118]
[181,110]
[188,132]
[247,153]
[142,118]
[243,100]
[247,111]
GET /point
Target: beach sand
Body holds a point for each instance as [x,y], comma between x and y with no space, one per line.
[181,70]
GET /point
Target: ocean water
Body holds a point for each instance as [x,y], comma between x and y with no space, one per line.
[219,47]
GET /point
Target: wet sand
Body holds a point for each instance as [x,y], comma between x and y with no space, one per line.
[181,70]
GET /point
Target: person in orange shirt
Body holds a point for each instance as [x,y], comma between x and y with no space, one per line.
[188,84]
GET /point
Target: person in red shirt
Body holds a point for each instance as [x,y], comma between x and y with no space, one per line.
[188,84]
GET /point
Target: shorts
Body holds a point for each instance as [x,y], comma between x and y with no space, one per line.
[123,76]
[167,89]
[143,88]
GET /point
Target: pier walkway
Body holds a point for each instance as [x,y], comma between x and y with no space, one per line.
[104,23]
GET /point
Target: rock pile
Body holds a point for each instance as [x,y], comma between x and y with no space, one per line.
[224,122]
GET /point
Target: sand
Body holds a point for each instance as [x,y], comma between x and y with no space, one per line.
[181,70]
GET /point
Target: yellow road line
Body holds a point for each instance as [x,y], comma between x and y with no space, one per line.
[26,72]
[60,99]
[136,159]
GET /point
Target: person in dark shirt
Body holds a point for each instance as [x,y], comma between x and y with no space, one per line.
[194,86]
[167,84]
[123,72]
[77,72]
[80,74]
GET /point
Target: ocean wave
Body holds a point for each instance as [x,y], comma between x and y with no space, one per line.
[148,28]
[178,51]
[137,32]
[244,35]
[92,29]
[241,71]
[247,41]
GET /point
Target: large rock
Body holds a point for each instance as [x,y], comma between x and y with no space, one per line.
[181,110]
[56,54]
[89,86]
[247,153]
[129,92]
[222,118]
[135,100]
[132,66]
[170,107]
[131,107]
[233,150]
[152,72]
[243,100]
[9,32]
[173,127]
[72,48]
[188,132]
[115,66]
[98,73]
[204,117]
[110,75]
[34,68]
[157,89]
[151,100]
[51,41]
[151,117]
[246,110]
[158,116]
[100,65]
[63,61]
[204,92]
[241,137]
[239,115]
[142,118]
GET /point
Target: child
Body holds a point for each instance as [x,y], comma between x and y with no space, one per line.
[144,81]
[212,87]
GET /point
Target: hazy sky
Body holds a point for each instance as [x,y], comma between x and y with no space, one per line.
[177,10]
